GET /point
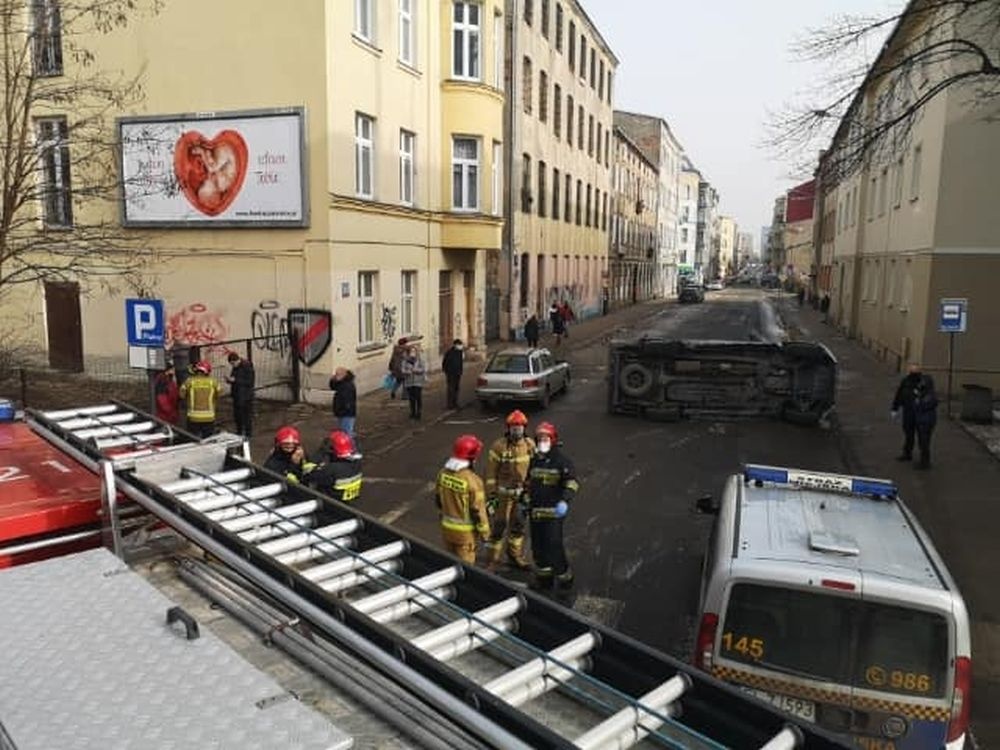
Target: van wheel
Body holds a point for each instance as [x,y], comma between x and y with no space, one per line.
[635,380]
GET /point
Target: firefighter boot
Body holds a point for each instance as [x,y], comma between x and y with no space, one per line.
[493,552]
[515,553]
[565,580]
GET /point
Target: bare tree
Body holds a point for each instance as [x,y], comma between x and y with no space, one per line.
[933,46]
[59,180]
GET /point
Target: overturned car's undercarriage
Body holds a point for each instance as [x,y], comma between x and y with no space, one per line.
[669,379]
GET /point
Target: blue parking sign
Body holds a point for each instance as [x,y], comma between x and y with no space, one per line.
[144,322]
[954,315]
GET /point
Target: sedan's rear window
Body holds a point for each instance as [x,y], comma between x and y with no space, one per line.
[866,644]
[512,363]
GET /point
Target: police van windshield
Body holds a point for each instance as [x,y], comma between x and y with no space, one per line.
[822,637]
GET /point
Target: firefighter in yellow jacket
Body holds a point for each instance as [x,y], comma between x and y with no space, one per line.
[461,500]
[506,473]
[200,393]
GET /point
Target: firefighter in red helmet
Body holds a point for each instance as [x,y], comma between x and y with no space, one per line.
[200,393]
[340,476]
[288,457]
[506,472]
[550,490]
[461,500]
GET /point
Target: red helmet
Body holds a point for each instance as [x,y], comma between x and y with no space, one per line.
[287,435]
[467,447]
[548,429]
[517,418]
[341,444]
[204,367]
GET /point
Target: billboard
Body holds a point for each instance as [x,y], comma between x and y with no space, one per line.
[225,169]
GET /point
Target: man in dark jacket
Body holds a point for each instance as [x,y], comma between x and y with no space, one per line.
[340,477]
[531,331]
[396,366]
[918,401]
[452,365]
[345,399]
[288,458]
[241,381]
[558,322]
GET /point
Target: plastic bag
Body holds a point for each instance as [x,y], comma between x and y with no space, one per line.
[388,381]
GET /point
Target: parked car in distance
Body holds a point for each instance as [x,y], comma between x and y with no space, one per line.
[522,375]
[691,293]
[715,285]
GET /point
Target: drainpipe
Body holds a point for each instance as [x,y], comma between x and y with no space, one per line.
[510,147]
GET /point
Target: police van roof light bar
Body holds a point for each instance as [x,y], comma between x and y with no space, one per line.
[816,480]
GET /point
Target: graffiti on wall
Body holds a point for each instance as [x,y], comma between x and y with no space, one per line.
[196,324]
[269,328]
[387,322]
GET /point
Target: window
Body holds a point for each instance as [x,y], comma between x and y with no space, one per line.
[882,188]
[543,96]
[579,125]
[542,205]
[408,303]
[590,195]
[557,110]
[465,174]
[918,151]
[545,18]
[46,29]
[855,209]
[525,280]
[367,282]
[567,207]
[364,19]
[871,198]
[593,68]
[607,147]
[686,213]
[406,31]
[465,41]
[604,211]
[583,57]
[527,84]
[590,135]
[569,119]
[364,155]
[600,83]
[499,62]
[572,46]
[496,174]
[526,183]
[579,202]
[599,138]
[529,11]
[609,86]
[897,184]
[406,171]
[559,27]
[57,207]
[684,235]
[555,194]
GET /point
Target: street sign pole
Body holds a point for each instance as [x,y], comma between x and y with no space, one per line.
[951,367]
[954,318]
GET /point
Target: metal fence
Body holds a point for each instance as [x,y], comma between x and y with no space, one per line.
[276,369]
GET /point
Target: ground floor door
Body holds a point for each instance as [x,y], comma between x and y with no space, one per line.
[446,311]
[64,326]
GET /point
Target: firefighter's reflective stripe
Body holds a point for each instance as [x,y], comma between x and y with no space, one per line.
[200,392]
[572,485]
[550,477]
[510,491]
[543,514]
[457,524]
[451,482]
[349,488]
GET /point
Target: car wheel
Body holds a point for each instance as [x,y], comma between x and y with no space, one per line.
[546,398]
[635,380]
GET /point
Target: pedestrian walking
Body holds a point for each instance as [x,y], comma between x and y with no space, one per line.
[531,331]
[506,473]
[168,397]
[551,488]
[568,316]
[414,380]
[396,366]
[557,322]
[288,458]
[918,401]
[340,477]
[461,500]
[345,399]
[241,381]
[200,393]
[452,364]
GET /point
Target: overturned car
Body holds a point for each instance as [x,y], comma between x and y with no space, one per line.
[669,379]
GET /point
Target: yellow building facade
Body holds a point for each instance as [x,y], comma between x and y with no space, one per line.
[559,117]
[399,176]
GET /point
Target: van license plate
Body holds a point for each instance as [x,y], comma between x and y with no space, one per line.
[803,709]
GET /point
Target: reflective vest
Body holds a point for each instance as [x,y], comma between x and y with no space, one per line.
[462,501]
[200,393]
[507,469]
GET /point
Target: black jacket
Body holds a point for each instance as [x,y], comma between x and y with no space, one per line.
[453,362]
[280,463]
[531,329]
[345,396]
[243,381]
[340,479]
[917,398]
[551,478]
[557,321]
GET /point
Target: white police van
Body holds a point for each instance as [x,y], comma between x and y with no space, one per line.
[822,595]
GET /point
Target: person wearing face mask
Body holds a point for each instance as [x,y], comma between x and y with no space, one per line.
[414,380]
[452,364]
[506,472]
[288,458]
[461,500]
[550,488]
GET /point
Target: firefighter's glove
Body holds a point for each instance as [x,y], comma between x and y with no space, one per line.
[561,509]
[492,503]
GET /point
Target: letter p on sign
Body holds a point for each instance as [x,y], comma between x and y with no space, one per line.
[144,322]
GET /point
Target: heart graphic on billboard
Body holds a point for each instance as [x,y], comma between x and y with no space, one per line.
[210,171]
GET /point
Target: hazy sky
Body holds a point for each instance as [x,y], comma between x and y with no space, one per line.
[713,69]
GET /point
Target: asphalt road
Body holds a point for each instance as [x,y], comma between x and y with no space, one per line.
[634,539]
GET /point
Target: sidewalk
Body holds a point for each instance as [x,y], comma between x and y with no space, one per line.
[956,501]
[383,423]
